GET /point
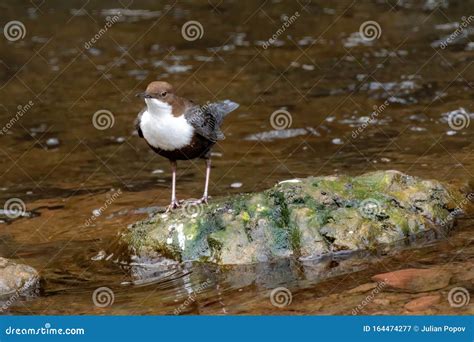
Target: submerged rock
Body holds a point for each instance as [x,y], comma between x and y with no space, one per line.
[17,279]
[363,288]
[423,303]
[414,279]
[304,218]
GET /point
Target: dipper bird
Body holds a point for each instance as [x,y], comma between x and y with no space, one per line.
[179,129]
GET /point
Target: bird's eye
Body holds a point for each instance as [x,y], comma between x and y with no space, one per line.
[163,94]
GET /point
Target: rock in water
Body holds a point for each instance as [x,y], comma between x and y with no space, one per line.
[17,279]
[423,303]
[299,217]
[414,279]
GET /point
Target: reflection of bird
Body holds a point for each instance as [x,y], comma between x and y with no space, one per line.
[178,129]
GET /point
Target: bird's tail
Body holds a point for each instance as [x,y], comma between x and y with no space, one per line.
[222,108]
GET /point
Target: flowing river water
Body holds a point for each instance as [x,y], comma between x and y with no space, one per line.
[348,104]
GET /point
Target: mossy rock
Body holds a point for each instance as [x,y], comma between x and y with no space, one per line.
[304,218]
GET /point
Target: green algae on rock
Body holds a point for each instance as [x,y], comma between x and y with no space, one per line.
[303,218]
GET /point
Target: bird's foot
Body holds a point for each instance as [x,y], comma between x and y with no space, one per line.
[173,205]
[203,200]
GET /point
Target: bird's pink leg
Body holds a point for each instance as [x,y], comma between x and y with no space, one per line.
[174,202]
[205,196]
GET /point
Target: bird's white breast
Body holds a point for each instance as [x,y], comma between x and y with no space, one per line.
[163,130]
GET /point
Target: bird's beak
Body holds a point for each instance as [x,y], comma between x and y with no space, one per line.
[143,95]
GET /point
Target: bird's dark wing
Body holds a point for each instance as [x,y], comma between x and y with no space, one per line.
[207,119]
[204,122]
[137,123]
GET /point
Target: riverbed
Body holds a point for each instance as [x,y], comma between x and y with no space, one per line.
[350,104]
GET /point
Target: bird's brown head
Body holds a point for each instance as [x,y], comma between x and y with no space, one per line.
[159,90]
